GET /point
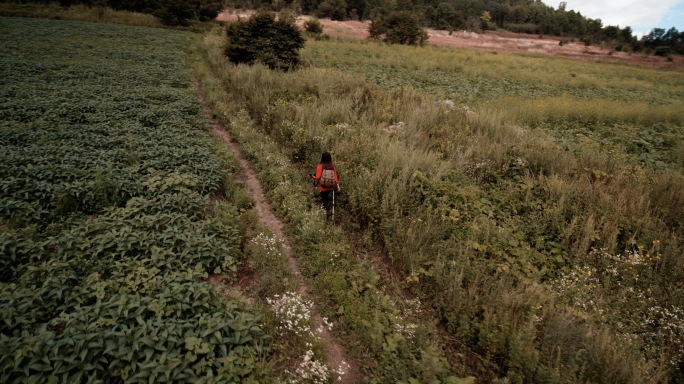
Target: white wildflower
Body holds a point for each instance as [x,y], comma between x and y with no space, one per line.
[270,244]
[293,312]
[310,370]
[408,330]
[328,324]
[342,370]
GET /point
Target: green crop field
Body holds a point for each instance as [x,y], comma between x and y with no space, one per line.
[106,231]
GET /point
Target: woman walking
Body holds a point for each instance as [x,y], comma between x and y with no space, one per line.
[327,182]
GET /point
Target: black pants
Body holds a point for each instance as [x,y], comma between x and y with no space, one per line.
[327,198]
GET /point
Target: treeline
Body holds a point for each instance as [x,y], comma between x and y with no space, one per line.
[170,12]
[523,16]
[664,42]
[528,16]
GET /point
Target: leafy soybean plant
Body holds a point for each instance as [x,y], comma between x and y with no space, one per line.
[105,225]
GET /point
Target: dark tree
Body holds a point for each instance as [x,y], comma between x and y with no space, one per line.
[654,38]
[444,16]
[664,42]
[399,28]
[208,9]
[310,7]
[333,9]
[356,8]
[262,38]
[175,12]
[611,32]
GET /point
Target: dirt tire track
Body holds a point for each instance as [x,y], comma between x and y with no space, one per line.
[336,353]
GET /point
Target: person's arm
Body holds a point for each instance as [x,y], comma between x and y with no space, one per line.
[319,173]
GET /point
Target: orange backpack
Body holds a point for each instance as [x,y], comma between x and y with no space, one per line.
[328,178]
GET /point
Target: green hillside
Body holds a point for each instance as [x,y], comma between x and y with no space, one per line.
[502,219]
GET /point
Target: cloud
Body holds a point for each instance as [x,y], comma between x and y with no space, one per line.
[639,14]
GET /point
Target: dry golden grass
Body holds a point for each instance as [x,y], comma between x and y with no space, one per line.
[563,108]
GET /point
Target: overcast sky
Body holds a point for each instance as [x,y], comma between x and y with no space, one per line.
[641,15]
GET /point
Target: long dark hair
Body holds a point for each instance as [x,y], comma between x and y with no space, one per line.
[326,158]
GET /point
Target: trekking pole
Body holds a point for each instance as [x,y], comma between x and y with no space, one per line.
[333,208]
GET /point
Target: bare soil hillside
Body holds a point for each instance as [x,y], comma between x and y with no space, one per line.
[500,42]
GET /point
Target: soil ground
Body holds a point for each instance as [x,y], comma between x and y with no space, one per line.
[499,42]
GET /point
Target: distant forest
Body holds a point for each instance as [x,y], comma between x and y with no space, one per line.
[523,16]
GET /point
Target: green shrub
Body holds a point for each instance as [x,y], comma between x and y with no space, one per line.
[332,9]
[662,51]
[313,26]
[263,39]
[174,12]
[207,10]
[399,27]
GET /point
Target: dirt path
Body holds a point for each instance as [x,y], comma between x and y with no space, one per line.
[336,353]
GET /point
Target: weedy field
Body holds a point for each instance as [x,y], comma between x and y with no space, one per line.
[633,112]
[520,215]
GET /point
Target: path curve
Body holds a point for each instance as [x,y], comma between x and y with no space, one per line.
[336,353]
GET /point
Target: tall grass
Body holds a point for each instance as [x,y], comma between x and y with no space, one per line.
[80,13]
[481,216]
[564,108]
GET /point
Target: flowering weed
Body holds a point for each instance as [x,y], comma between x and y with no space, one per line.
[295,327]
[293,313]
[266,257]
[616,289]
